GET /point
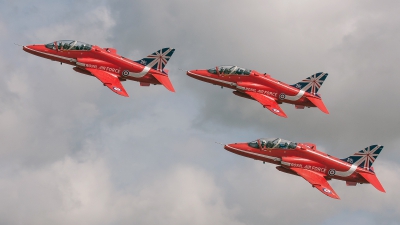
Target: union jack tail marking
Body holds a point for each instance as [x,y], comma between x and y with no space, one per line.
[312,84]
[366,157]
[158,59]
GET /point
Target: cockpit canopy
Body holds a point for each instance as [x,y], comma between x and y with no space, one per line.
[70,45]
[230,70]
[273,143]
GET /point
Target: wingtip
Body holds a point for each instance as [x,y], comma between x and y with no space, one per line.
[172,89]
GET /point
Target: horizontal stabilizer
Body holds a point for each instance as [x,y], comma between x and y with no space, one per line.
[164,80]
[318,103]
[372,179]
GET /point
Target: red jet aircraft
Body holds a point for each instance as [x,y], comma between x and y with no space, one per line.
[316,167]
[265,89]
[106,65]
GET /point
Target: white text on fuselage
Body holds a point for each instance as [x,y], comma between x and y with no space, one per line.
[270,93]
[105,68]
[308,167]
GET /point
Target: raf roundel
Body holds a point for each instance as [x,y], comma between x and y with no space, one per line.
[282,96]
[117,89]
[332,172]
[326,190]
[125,73]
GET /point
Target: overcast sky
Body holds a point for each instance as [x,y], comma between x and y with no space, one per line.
[73,152]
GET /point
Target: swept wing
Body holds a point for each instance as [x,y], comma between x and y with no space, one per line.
[110,80]
[268,102]
[317,180]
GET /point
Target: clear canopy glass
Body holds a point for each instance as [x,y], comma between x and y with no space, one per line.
[230,70]
[70,45]
[273,143]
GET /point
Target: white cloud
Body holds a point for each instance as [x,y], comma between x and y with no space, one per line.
[71,192]
[272,195]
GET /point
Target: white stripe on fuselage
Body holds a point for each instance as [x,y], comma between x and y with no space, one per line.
[296,97]
[145,70]
[137,75]
[53,55]
[214,79]
[338,173]
[140,74]
[288,97]
[256,154]
[346,173]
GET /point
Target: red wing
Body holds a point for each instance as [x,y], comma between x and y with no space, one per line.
[110,80]
[319,103]
[317,180]
[268,102]
[164,80]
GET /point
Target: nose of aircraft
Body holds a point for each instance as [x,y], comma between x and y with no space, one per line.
[192,73]
[197,73]
[227,147]
[233,147]
[25,48]
[31,48]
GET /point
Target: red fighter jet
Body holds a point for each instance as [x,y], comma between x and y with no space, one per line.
[265,89]
[106,65]
[316,167]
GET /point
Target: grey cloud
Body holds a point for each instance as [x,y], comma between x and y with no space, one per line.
[51,115]
[68,192]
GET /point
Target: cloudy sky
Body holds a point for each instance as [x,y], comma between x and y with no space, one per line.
[73,152]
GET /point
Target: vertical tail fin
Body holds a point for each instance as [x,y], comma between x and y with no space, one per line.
[158,59]
[366,157]
[312,84]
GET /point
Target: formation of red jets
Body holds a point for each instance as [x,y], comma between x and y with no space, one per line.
[301,159]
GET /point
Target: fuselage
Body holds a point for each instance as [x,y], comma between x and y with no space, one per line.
[94,57]
[256,82]
[299,156]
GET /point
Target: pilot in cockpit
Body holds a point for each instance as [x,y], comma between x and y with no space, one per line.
[270,144]
[263,143]
[283,145]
